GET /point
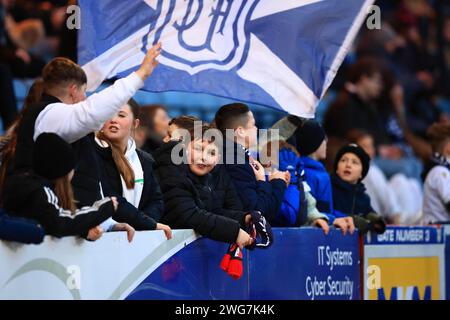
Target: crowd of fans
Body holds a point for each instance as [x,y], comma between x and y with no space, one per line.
[72,165]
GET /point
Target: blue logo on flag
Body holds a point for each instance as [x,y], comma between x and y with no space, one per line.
[283,54]
[201,32]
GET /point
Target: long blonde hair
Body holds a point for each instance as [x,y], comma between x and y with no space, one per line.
[122,164]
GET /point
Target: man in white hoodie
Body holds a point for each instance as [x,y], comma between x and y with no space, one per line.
[65,111]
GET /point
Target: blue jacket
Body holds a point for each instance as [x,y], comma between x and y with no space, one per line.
[293,212]
[262,196]
[320,183]
[20,229]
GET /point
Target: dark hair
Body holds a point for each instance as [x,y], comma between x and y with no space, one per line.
[231,116]
[148,113]
[35,93]
[184,122]
[195,130]
[60,72]
[189,123]
[135,108]
[438,133]
[363,67]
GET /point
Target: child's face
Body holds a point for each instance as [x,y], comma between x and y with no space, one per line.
[203,156]
[349,168]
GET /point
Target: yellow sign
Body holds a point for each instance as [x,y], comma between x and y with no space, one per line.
[406,278]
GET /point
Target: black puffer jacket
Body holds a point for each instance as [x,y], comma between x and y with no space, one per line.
[207,204]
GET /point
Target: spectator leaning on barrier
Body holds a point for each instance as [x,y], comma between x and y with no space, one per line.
[312,146]
[128,170]
[64,110]
[309,137]
[351,166]
[247,174]
[46,195]
[195,196]
[398,199]
[436,204]
[298,207]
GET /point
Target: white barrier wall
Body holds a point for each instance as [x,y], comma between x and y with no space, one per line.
[72,268]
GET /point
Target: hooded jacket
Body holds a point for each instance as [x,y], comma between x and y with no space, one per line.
[320,183]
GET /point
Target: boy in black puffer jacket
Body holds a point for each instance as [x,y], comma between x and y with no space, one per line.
[197,194]
[351,166]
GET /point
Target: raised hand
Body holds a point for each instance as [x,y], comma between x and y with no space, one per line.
[149,63]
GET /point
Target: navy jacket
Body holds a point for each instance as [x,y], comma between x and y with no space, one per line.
[350,199]
[262,196]
[20,229]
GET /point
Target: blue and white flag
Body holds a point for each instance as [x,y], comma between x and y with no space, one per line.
[279,53]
